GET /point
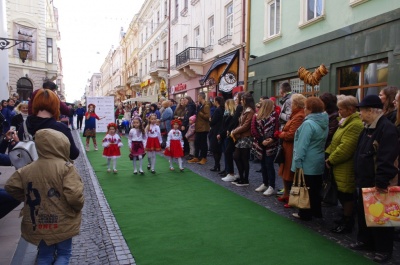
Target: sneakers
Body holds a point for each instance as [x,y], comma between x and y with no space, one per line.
[202,161]
[141,172]
[229,178]
[270,191]
[242,183]
[148,167]
[280,192]
[108,170]
[261,188]
[95,148]
[135,172]
[181,169]
[171,168]
[115,171]
[193,160]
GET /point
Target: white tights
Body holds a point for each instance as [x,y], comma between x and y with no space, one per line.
[140,162]
[152,159]
[114,163]
[179,162]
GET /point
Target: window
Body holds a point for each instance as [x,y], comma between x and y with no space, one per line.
[185,42]
[49,50]
[185,4]
[157,54]
[158,18]
[176,50]
[152,27]
[312,11]
[165,9]
[140,70]
[211,30]
[197,37]
[298,86]
[176,8]
[145,66]
[363,79]
[273,18]
[151,58]
[165,50]
[229,19]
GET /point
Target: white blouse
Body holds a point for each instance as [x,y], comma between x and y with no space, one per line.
[174,135]
[136,135]
[112,139]
[154,132]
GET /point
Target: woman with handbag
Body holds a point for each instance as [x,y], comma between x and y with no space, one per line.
[341,160]
[309,154]
[287,137]
[263,128]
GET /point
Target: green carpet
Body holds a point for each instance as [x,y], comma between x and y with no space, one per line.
[182,218]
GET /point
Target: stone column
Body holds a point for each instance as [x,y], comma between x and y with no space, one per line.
[4,66]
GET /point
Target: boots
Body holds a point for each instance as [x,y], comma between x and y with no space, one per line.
[202,161]
[345,227]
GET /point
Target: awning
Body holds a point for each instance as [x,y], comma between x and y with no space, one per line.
[227,59]
[151,99]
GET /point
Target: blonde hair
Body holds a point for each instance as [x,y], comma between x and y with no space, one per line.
[299,100]
[348,102]
[230,106]
[267,106]
[20,105]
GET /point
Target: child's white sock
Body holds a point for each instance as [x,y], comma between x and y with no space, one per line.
[180,162]
[134,163]
[140,163]
[170,162]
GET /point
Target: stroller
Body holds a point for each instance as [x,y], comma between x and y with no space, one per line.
[123,125]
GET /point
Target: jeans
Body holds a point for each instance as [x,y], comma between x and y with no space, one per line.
[7,203]
[268,170]
[59,253]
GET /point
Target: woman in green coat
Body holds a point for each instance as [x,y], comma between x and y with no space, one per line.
[341,162]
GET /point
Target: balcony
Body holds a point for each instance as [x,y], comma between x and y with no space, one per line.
[174,21]
[132,80]
[193,2]
[184,12]
[188,62]
[208,49]
[159,69]
[225,39]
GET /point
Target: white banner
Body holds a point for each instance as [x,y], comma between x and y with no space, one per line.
[104,108]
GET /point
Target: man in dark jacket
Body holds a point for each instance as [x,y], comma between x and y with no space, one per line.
[80,112]
[374,162]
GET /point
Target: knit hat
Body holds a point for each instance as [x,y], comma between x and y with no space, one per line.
[192,118]
[371,101]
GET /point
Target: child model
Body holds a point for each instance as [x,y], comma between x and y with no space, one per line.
[190,136]
[112,143]
[154,140]
[90,126]
[137,141]
[174,147]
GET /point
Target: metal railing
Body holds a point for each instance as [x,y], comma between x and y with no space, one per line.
[189,55]
[159,64]
[225,39]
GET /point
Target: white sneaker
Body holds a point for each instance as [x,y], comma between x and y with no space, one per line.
[229,178]
[270,191]
[261,188]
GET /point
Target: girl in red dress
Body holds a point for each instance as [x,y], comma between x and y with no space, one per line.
[137,142]
[112,143]
[174,148]
[154,140]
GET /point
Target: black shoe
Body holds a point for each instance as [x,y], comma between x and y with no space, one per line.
[153,172]
[259,170]
[148,167]
[242,183]
[214,169]
[342,229]
[382,257]
[360,246]
[222,173]
[141,172]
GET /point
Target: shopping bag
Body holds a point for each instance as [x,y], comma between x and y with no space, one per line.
[382,209]
[299,196]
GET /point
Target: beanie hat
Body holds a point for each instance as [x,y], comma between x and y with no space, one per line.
[193,118]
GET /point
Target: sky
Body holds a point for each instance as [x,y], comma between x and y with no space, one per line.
[88,30]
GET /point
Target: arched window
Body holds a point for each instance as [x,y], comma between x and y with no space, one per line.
[24,88]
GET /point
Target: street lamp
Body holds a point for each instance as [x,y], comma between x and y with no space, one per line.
[23,53]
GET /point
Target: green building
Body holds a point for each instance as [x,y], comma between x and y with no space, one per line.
[357,40]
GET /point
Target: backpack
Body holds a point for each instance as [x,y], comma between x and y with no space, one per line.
[24,152]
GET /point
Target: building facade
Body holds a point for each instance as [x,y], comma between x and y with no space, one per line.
[356,40]
[207,47]
[36,21]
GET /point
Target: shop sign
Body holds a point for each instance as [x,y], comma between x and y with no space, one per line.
[145,83]
[177,88]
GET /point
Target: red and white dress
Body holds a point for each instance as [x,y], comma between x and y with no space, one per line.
[154,138]
[111,144]
[137,142]
[175,144]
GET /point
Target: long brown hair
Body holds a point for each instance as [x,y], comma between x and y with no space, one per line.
[390,93]
[266,108]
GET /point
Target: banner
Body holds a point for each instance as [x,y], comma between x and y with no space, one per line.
[104,108]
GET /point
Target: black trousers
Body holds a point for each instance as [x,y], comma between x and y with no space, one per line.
[378,238]
[241,157]
[314,182]
[79,120]
[200,144]
[229,150]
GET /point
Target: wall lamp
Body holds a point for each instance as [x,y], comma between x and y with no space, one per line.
[6,43]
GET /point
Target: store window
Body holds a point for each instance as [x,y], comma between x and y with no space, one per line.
[364,79]
[298,86]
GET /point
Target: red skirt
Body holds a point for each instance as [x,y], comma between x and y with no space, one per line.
[112,151]
[153,144]
[175,149]
[137,148]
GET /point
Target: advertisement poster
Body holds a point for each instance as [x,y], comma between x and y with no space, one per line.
[104,109]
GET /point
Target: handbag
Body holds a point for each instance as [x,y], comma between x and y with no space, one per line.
[329,188]
[280,155]
[299,196]
[382,209]
[24,152]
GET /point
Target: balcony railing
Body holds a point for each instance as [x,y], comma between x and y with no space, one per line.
[225,39]
[159,64]
[184,12]
[193,2]
[208,49]
[174,21]
[189,55]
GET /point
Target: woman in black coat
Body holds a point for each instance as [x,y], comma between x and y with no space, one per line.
[223,132]
[215,124]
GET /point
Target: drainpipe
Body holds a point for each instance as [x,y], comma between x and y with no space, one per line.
[168,47]
[247,48]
